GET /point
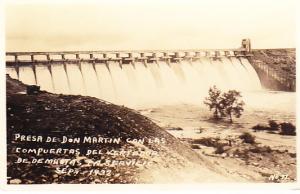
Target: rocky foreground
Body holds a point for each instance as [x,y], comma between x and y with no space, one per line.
[255,152]
[115,144]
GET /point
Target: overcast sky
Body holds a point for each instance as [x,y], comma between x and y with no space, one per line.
[149,24]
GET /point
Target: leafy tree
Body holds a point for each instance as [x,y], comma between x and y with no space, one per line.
[224,104]
[213,101]
[232,104]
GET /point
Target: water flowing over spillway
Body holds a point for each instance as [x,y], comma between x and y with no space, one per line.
[141,83]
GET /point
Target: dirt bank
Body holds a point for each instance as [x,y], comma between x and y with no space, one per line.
[51,115]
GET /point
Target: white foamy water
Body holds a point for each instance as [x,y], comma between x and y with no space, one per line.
[12,72]
[120,84]
[152,84]
[255,82]
[146,86]
[106,84]
[90,80]
[75,79]
[60,79]
[26,75]
[44,78]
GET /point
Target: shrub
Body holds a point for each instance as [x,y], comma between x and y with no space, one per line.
[32,89]
[260,127]
[273,125]
[247,138]
[293,155]
[287,129]
[209,142]
[175,129]
[195,146]
[219,149]
[264,149]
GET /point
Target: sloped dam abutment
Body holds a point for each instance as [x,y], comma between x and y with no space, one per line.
[276,68]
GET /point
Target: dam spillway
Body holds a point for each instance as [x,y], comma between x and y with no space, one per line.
[136,78]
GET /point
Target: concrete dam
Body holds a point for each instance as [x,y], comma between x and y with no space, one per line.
[134,78]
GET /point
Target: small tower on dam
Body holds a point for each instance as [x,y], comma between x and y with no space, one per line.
[246,45]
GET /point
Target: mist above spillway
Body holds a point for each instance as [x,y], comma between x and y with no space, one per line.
[141,84]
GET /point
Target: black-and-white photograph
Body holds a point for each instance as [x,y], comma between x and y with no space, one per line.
[150,92]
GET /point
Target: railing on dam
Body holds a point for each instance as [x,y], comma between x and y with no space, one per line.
[124,57]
